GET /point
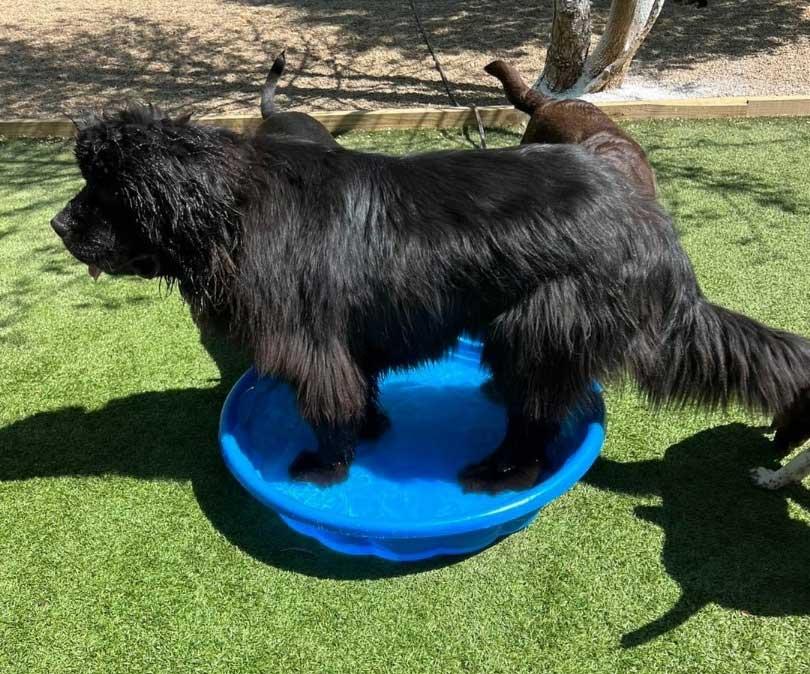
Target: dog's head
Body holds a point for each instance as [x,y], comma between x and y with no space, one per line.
[159,196]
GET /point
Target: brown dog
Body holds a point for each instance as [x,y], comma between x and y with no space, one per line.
[578,122]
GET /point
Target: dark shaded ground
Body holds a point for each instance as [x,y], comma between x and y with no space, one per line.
[210,56]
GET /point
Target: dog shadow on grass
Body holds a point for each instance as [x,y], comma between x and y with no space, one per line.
[726,541]
[171,435]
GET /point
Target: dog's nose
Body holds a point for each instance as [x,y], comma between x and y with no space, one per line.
[59,224]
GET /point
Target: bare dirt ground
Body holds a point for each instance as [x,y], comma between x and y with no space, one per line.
[62,56]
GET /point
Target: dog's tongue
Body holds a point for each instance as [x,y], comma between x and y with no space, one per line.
[94,271]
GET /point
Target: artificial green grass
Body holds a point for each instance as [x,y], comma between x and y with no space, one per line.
[125,546]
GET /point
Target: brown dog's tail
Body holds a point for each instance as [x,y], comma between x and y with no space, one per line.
[268,106]
[518,93]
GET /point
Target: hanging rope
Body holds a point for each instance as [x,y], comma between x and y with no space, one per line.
[481,133]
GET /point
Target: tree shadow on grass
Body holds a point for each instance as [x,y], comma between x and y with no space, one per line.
[727,542]
[171,435]
[732,189]
[9,231]
[37,170]
[24,162]
[36,179]
[671,165]
[24,292]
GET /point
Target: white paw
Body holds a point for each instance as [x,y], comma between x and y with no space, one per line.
[768,479]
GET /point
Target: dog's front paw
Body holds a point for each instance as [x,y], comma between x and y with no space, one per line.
[767,479]
[491,476]
[310,467]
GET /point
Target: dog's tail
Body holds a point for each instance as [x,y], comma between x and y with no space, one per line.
[518,93]
[712,356]
[268,106]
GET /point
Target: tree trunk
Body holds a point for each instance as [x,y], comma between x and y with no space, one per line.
[629,23]
[569,46]
[570,70]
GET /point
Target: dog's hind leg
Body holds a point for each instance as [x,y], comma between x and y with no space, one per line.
[539,384]
[543,355]
[375,421]
[518,461]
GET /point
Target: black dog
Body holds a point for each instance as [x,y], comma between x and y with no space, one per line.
[334,266]
[292,124]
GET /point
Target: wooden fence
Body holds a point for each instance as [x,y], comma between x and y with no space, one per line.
[492,116]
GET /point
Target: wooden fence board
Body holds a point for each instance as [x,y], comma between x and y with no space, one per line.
[440,118]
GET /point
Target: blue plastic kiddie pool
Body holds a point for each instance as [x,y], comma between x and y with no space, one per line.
[402,500]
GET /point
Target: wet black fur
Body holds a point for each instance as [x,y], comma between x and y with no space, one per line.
[333,266]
